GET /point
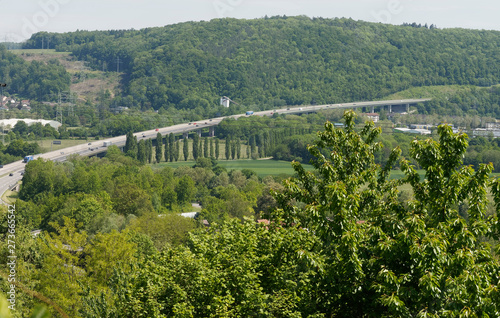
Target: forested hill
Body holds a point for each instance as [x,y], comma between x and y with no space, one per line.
[282,60]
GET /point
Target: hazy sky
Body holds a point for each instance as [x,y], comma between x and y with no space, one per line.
[21,18]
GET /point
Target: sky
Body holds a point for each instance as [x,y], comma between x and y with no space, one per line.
[21,18]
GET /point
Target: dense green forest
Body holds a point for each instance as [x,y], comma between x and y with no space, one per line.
[32,80]
[278,61]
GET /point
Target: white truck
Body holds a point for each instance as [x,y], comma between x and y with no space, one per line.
[106,143]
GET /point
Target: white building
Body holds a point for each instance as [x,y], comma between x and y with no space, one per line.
[13,121]
[413,131]
[372,116]
[486,132]
[224,101]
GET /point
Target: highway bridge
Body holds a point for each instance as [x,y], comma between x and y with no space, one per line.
[11,173]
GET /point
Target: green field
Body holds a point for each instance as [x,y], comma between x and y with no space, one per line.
[46,144]
[261,167]
[264,167]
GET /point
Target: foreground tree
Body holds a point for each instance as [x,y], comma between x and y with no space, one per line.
[340,243]
[390,258]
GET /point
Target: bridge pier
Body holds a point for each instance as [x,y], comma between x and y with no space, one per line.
[211,131]
[199,132]
[407,108]
[373,109]
[185,135]
[390,108]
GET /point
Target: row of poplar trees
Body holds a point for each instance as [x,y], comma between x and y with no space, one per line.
[142,150]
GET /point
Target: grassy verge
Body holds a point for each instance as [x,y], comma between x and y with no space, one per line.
[10,197]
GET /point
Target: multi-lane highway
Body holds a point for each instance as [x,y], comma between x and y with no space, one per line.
[10,174]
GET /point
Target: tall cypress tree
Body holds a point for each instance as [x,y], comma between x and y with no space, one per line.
[177,150]
[196,147]
[171,145]
[248,149]
[131,145]
[233,149]
[167,149]
[228,147]
[185,148]
[159,147]
[252,145]
[149,150]
[238,148]
[211,148]
[205,148]
[217,149]
[141,151]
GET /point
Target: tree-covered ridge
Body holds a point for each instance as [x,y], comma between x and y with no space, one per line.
[283,60]
[33,80]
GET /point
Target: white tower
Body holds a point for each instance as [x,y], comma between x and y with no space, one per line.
[224,101]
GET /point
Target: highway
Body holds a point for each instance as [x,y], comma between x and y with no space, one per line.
[95,147]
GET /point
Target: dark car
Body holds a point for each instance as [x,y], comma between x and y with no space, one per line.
[1,166]
[11,174]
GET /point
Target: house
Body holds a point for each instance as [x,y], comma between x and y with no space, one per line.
[420,126]
[486,132]
[24,107]
[372,116]
[493,126]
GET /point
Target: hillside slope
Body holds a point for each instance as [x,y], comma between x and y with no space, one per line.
[282,60]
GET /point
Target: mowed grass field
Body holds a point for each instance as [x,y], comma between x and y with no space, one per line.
[46,143]
[261,167]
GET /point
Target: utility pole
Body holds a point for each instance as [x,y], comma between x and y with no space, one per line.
[2,85]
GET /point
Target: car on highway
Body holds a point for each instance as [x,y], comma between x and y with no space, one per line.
[156,129]
[89,143]
[1,166]
[300,108]
[11,174]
